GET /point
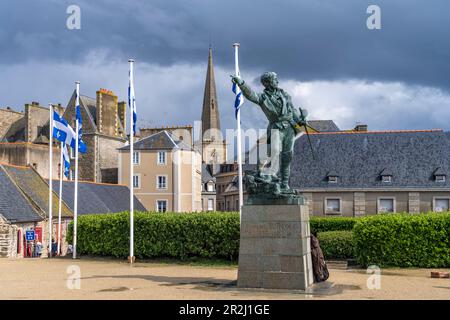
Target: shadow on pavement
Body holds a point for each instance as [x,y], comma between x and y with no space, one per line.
[318,289]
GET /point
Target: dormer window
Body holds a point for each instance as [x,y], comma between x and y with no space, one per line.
[439,175]
[386,175]
[332,179]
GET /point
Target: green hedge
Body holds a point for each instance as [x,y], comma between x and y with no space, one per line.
[177,235]
[322,224]
[403,240]
[336,244]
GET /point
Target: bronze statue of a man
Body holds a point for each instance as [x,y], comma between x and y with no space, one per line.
[279,110]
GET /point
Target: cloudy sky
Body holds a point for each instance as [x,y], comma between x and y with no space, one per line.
[325,56]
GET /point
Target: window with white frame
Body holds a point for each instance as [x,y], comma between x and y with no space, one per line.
[161,182]
[332,205]
[161,205]
[210,204]
[136,157]
[162,157]
[332,179]
[441,204]
[440,178]
[210,186]
[136,181]
[386,205]
[386,179]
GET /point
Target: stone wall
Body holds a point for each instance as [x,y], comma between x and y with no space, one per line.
[28,154]
[366,203]
[69,116]
[107,114]
[8,237]
[122,113]
[359,204]
[414,202]
[36,118]
[7,117]
[108,151]
[5,239]
[87,162]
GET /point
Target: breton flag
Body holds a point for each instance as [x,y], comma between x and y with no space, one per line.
[64,133]
[132,97]
[78,117]
[237,91]
[66,160]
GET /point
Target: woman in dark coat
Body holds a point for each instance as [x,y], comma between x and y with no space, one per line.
[320,269]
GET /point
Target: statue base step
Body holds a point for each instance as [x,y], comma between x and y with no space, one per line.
[275,248]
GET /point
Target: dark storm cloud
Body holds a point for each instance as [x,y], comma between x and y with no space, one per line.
[302,40]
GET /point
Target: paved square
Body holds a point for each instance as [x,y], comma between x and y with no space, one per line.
[113,279]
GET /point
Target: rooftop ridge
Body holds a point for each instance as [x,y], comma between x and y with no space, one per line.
[166,127]
[11,110]
[376,132]
[92,182]
[14,166]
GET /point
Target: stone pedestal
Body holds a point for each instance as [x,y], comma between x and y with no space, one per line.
[275,249]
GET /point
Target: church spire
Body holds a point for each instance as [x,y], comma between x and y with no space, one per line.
[210,113]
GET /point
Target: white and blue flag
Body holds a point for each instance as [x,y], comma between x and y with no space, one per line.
[78,117]
[132,97]
[239,97]
[64,133]
[66,160]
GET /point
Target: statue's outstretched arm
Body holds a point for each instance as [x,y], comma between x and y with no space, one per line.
[249,93]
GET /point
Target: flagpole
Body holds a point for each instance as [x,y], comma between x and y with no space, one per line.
[131,62]
[238,120]
[50,187]
[75,206]
[60,198]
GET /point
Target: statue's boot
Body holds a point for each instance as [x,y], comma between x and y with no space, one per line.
[285,171]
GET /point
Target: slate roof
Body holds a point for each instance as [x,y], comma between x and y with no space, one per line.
[206,174]
[14,206]
[36,189]
[94,198]
[323,125]
[439,172]
[360,157]
[162,140]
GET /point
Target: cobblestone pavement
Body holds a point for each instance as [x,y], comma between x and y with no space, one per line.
[114,279]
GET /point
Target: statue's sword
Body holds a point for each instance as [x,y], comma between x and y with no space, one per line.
[307,133]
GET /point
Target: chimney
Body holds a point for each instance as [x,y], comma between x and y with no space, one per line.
[360,128]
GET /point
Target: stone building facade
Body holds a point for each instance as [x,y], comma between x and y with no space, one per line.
[368,172]
[103,132]
[24,138]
